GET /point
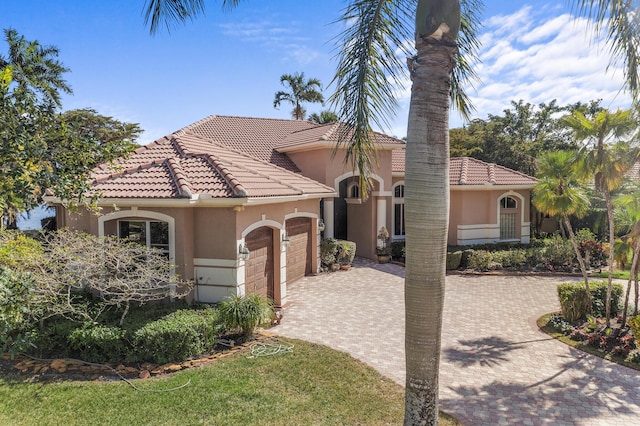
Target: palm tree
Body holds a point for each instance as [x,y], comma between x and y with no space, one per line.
[35,66]
[368,66]
[325,117]
[301,91]
[607,164]
[560,193]
[628,219]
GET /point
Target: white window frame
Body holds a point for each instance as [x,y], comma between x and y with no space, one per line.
[148,243]
[397,200]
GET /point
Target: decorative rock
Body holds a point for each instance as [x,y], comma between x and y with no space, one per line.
[60,365]
[144,374]
[173,367]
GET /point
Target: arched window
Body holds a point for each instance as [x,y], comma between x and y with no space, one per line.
[398,211]
[353,191]
[508,203]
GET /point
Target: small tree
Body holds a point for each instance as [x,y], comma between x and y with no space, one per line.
[79,268]
[301,91]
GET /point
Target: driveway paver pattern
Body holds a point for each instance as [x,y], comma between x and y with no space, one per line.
[496,367]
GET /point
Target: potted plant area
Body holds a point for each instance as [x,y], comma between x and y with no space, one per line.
[384,251]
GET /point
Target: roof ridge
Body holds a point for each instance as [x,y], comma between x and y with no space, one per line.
[464,170]
[181,181]
[231,180]
[491,170]
[126,171]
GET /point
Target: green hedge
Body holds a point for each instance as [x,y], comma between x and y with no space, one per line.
[176,337]
[573,300]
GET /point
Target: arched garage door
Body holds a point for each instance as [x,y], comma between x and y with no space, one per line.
[299,251]
[259,267]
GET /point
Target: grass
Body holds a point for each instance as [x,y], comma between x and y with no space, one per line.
[314,385]
[618,274]
[543,324]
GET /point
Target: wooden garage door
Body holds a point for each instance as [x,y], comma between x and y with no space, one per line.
[299,252]
[259,267]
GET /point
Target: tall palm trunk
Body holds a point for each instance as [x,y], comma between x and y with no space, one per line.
[612,236]
[427,222]
[583,266]
[632,274]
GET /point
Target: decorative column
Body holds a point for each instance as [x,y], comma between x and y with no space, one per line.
[328,218]
[381,214]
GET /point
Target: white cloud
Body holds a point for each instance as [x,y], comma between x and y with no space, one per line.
[539,58]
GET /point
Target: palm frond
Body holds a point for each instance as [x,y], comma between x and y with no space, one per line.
[369,68]
[167,13]
[623,34]
[467,58]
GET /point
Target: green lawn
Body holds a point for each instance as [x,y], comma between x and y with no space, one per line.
[314,385]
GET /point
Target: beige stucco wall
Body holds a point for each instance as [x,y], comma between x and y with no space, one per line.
[205,243]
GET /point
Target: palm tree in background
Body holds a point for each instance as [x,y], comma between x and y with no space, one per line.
[606,160]
[441,62]
[628,220]
[301,90]
[559,192]
[35,66]
[325,117]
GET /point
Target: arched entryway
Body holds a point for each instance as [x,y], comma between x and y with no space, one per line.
[299,252]
[259,268]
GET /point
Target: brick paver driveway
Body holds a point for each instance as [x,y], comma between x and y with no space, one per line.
[496,369]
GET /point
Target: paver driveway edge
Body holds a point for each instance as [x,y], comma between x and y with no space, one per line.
[497,367]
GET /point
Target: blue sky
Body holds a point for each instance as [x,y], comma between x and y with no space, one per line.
[229,63]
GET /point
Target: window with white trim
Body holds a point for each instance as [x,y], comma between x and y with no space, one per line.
[151,233]
[398,211]
[508,218]
[353,191]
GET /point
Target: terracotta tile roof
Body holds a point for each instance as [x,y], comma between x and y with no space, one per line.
[257,137]
[328,134]
[186,164]
[470,171]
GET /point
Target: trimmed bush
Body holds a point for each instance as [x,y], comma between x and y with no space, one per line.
[573,300]
[177,336]
[466,255]
[18,252]
[480,260]
[99,343]
[453,260]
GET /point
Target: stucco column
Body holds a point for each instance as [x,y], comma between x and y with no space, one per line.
[328,218]
[381,214]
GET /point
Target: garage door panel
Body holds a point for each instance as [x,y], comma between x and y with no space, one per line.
[259,266]
[299,251]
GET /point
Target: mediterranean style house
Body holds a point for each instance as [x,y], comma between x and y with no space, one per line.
[239,205]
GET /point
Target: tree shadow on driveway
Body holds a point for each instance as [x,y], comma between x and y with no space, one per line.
[488,351]
[583,390]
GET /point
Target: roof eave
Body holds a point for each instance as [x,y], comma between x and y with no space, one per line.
[488,187]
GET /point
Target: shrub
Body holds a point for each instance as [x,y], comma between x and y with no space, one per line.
[397,249]
[599,297]
[16,293]
[18,252]
[634,325]
[99,343]
[557,251]
[346,252]
[453,260]
[515,258]
[244,313]
[573,299]
[177,336]
[480,260]
[466,255]
[328,251]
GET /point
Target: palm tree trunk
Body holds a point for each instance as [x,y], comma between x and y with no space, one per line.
[583,267]
[427,222]
[612,237]
[634,266]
